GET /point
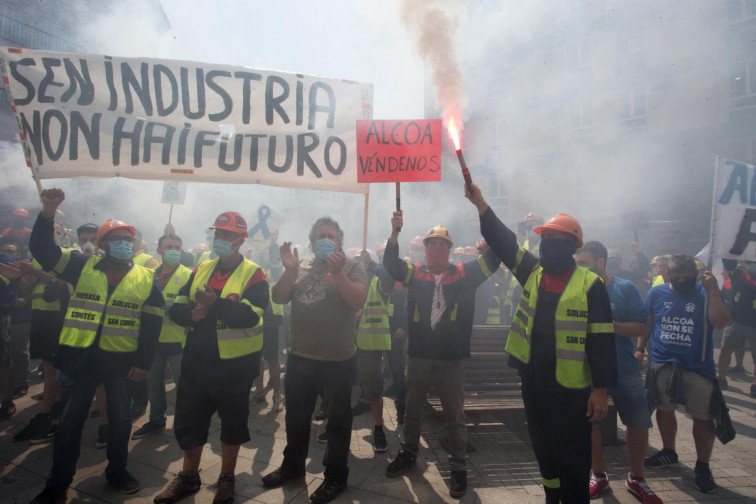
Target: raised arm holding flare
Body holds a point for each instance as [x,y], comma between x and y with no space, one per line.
[562,341]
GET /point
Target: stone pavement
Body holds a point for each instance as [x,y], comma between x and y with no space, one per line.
[501,463]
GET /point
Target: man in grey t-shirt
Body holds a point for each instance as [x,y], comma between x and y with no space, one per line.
[325,291]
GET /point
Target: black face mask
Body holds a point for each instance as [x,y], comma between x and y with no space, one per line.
[556,255]
[683,286]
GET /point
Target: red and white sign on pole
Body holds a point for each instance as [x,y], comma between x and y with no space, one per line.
[399,150]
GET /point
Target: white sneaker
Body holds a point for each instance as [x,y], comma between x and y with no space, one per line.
[277,403]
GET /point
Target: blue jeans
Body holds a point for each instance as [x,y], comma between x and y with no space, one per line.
[76,398]
[156,384]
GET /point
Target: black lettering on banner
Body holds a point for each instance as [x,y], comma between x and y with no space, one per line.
[200,142]
[254,150]
[150,137]
[273,103]
[78,79]
[272,154]
[228,104]
[90,132]
[436,164]
[314,108]
[111,84]
[33,133]
[26,83]
[48,80]
[330,141]
[181,157]
[186,99]
[234,165]
[119,134]
[303,153]
[53,154]
[247,77]
[745,235]
[142,89]
[158,72]
[300,100]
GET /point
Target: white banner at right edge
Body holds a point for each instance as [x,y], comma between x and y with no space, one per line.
[733,224]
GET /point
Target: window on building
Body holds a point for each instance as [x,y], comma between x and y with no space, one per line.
[743,79]
[632,108]
[738,10]
[579,54]
[629,48]
[581,113]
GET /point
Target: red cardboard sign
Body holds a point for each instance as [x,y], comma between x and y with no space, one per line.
[399,150]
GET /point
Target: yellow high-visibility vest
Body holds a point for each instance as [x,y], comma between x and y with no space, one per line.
[571,324]
[119,314]
[373,331]
[232,342]
[494,312]
[171,331]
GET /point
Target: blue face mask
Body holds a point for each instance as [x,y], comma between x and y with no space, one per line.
[172,256]
[222,248]
[324,248]
[121,250]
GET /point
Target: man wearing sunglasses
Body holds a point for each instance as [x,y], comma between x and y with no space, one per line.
[109,335]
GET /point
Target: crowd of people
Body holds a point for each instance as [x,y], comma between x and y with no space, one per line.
[110,321]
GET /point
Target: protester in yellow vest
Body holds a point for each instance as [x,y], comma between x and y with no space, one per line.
[222,304]
[171,276]
[109,335]
[562,340]
[49,301]
[373,340]
[9,274]
[141,257]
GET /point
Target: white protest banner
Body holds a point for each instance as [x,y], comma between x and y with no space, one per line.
[174,193]
[264,222]
[734,212]
[83,115]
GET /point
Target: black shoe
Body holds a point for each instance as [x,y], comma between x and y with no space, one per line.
[137,410]
[279,477]
[360,408]
[7,410]
[327,491]
[147,429]
[379,440]
[46,436]
[320,415]
[102,436]
[753,390]
[323,437]
[127,484]
[37,425]
[703,478]
[48,497]
[403,461]
[37,397]
[183,484]
[664,458]
[737,370]
[20,391]
[458,484]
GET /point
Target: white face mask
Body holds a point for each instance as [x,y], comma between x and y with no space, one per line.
[89,248]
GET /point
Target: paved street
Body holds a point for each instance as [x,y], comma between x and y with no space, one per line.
[502,466]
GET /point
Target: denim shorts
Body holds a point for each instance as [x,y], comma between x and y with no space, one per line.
[629,398]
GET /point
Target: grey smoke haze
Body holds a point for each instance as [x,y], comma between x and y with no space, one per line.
[552,64]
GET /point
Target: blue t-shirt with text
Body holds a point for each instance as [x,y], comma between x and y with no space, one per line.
[678,329]
[627,306]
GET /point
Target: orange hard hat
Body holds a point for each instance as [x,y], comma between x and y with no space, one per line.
[231,221]
[565,223]
[112,225]
[20,212]
[533,218]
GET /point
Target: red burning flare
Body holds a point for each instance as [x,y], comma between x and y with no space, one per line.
[454,130]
